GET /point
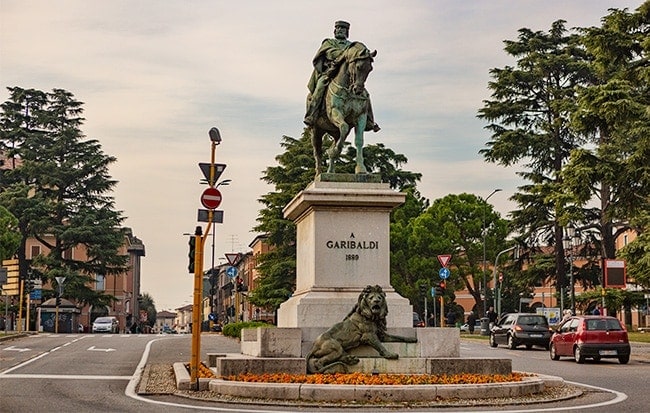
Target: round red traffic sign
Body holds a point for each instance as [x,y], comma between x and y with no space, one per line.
[211,198]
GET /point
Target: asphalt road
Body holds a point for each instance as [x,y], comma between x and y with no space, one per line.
[98,373]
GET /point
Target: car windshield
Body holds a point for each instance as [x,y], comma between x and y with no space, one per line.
[603,324]
[532,320]
[103,320]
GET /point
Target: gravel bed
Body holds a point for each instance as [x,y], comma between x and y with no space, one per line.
[158,379]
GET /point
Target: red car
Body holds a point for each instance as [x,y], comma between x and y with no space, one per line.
[592,337]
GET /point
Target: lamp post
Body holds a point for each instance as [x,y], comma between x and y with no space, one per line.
[199,240]
[569,242]
[59,292]
[484,252]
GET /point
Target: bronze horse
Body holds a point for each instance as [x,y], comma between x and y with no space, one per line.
[346,106]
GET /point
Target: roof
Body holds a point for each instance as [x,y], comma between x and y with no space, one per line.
[165,314]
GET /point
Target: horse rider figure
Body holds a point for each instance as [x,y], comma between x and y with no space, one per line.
[326,63]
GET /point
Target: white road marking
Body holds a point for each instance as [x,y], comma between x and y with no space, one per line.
[19,349]
[92,348]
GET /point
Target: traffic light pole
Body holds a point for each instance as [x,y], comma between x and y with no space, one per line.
[20,305]
[196,310]
[199,242]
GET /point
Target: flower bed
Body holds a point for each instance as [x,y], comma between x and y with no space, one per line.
[378,379]
[204,371]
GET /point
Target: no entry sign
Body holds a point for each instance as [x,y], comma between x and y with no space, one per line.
[211,198]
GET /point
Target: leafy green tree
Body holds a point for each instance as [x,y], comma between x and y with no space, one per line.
[9,235]
[295,170]
[60,191]
[613,171]
[451,225]
[146,303]
[637,253]
[529,115]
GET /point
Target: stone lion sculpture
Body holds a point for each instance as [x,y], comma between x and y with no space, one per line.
[364,325]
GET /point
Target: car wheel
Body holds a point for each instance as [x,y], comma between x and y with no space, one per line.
[623,359]
[493,341]
[511,343]
[553,353]
[577,355]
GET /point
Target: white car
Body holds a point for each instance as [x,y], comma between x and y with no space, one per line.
[106,325]
[465,327]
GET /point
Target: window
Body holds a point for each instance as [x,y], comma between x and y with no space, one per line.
[613,324]
[35,251]
[99,282]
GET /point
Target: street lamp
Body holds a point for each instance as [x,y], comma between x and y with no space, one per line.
[569,242]
[484,257]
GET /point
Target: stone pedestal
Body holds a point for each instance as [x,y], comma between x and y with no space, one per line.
[343,245]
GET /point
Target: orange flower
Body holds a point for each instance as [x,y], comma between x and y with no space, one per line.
[377,379]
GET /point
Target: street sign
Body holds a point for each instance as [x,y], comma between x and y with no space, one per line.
[218,170]
[36,295]
[232,257]
[12,285]
[444,259]
[231,272]
[444,273]
[615,276]
[211,198]
[433,291]
[203,216]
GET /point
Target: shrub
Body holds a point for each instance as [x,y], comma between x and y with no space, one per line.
[234,329]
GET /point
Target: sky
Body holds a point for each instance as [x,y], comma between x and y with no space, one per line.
[155,76]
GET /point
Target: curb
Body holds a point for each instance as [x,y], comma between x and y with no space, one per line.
[274,393]
[182,377]
[366,393]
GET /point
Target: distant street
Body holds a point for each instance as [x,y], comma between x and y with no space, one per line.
[97,373]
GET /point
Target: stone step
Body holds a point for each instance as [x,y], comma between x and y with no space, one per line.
[236,364]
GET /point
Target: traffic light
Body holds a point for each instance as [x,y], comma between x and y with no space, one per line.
[58,300]
[423,289]
[442,286]
[192,244]
[240,285]
[29,285]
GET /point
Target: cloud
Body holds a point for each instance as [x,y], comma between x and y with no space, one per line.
[156,76]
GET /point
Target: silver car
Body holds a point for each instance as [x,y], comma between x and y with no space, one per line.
[106,325]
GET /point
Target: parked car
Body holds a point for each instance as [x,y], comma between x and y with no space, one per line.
[521,329]
[465,327]
[106,325]
[592,337]
[417,321]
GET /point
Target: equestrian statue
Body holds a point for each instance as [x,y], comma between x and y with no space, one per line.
[338,100]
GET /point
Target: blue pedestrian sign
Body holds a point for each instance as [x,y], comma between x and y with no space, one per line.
[231,272]
[444,273]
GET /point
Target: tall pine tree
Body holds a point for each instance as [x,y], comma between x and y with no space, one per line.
[60,191]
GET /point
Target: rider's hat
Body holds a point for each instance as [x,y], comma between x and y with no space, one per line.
[342,23]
